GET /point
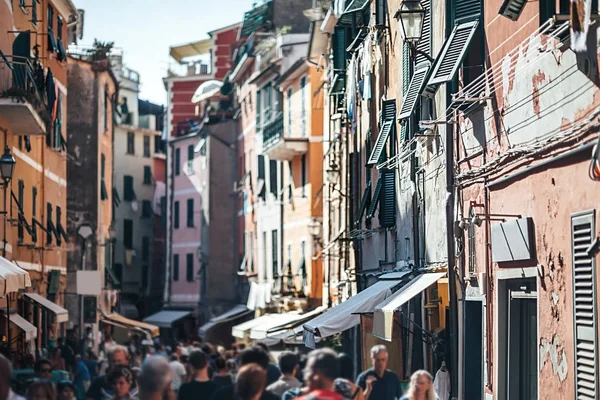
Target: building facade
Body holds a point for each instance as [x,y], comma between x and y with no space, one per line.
[33,122]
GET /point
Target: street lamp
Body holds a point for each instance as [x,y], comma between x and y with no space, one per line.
[333,172]
[7,166]
[411,16]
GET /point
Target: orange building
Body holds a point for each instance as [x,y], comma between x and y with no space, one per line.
[33,110]
[299,145]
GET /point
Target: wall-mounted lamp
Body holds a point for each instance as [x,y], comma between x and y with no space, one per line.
[7,165]
[333,172]
[411,16]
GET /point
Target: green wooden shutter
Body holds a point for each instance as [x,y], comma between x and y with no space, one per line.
[424,44]
[380,12]
[412,94]
[467,10]
[368,145]
[387,210]
[585,308]
[379,147]
[339,48]
[405,83]
[375,200]
[364,203]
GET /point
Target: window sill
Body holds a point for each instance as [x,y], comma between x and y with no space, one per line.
[130,154]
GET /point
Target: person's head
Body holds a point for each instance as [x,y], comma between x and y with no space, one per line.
[120,379]
[118,355]
[41,390]
[221,365]
[379,358]
[421,383]
[77,359]
[174,357]
[107,337]
[254,355]
[57,352]
[288,363]
[65,390]
[88,330]
[5,375]
[322,368]
[154,380]
[207,349]
[251,382]
[231,365]
[221,351]
[198,361]
[346,367]
[61,341]
[263,346]
[43,369]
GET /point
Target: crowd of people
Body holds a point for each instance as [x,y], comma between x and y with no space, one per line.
[200,371]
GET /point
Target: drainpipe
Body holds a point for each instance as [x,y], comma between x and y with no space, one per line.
[453,323]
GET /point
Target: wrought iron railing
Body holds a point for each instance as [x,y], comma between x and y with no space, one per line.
[273,130]
[21,80]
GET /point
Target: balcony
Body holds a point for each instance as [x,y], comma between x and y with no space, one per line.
[23,100]
[278,147]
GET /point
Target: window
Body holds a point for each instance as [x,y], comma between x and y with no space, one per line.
[33,11]
[52,46]
[20,199]
[190,158]
[275,253]
[61,55]
[57,138]
[289,112]
[387,210]
[145,248]
[190,213]
[60,230]
[303,172]
[49,224]
[258,109]
[33,213]
[177,161]
[303,106]
[128,234]
[130,143]
[189,267]
[146,146]
[106,101]
[146,209]
[264,254]
[157,144]
[176,215]
[267,103]
[176,267]
[128,192]
[584,304]
[273,177]
[261,176]
[380,12]
[147,175]
[103,191]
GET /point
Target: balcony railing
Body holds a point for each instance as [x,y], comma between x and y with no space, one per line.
[23,96]
[272,131]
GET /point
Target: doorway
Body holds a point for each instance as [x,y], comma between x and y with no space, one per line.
[473,357]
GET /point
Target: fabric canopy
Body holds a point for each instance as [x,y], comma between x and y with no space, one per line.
[240,331]
[273,323]
[383,318]
[166,318]
[60,313]
[152,330]
[344,316]
[28,329]
[236,312]
[12,278]
[191,49]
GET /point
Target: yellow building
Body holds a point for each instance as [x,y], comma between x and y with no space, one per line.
[299,146]
[33,109]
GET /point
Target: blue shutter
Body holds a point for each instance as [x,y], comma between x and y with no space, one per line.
[387,210]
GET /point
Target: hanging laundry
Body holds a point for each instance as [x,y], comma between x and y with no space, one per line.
[351,88]
[581,11]
[366,66]
[338,8]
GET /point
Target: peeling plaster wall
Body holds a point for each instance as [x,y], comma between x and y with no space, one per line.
[537,95]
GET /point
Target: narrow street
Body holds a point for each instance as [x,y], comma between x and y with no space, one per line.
[299,199]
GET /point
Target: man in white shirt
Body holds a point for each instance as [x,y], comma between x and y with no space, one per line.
[178,371]
[6,392]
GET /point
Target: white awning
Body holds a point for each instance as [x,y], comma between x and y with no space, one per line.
[272,324]
[166,318]
[191,49]
[240,331]
[236,312]
[344,316]
[29,330]
[383,318]
[12,278]
[60,313]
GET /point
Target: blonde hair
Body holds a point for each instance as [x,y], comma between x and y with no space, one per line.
[411,392]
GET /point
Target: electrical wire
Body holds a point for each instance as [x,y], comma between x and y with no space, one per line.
[594,171]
